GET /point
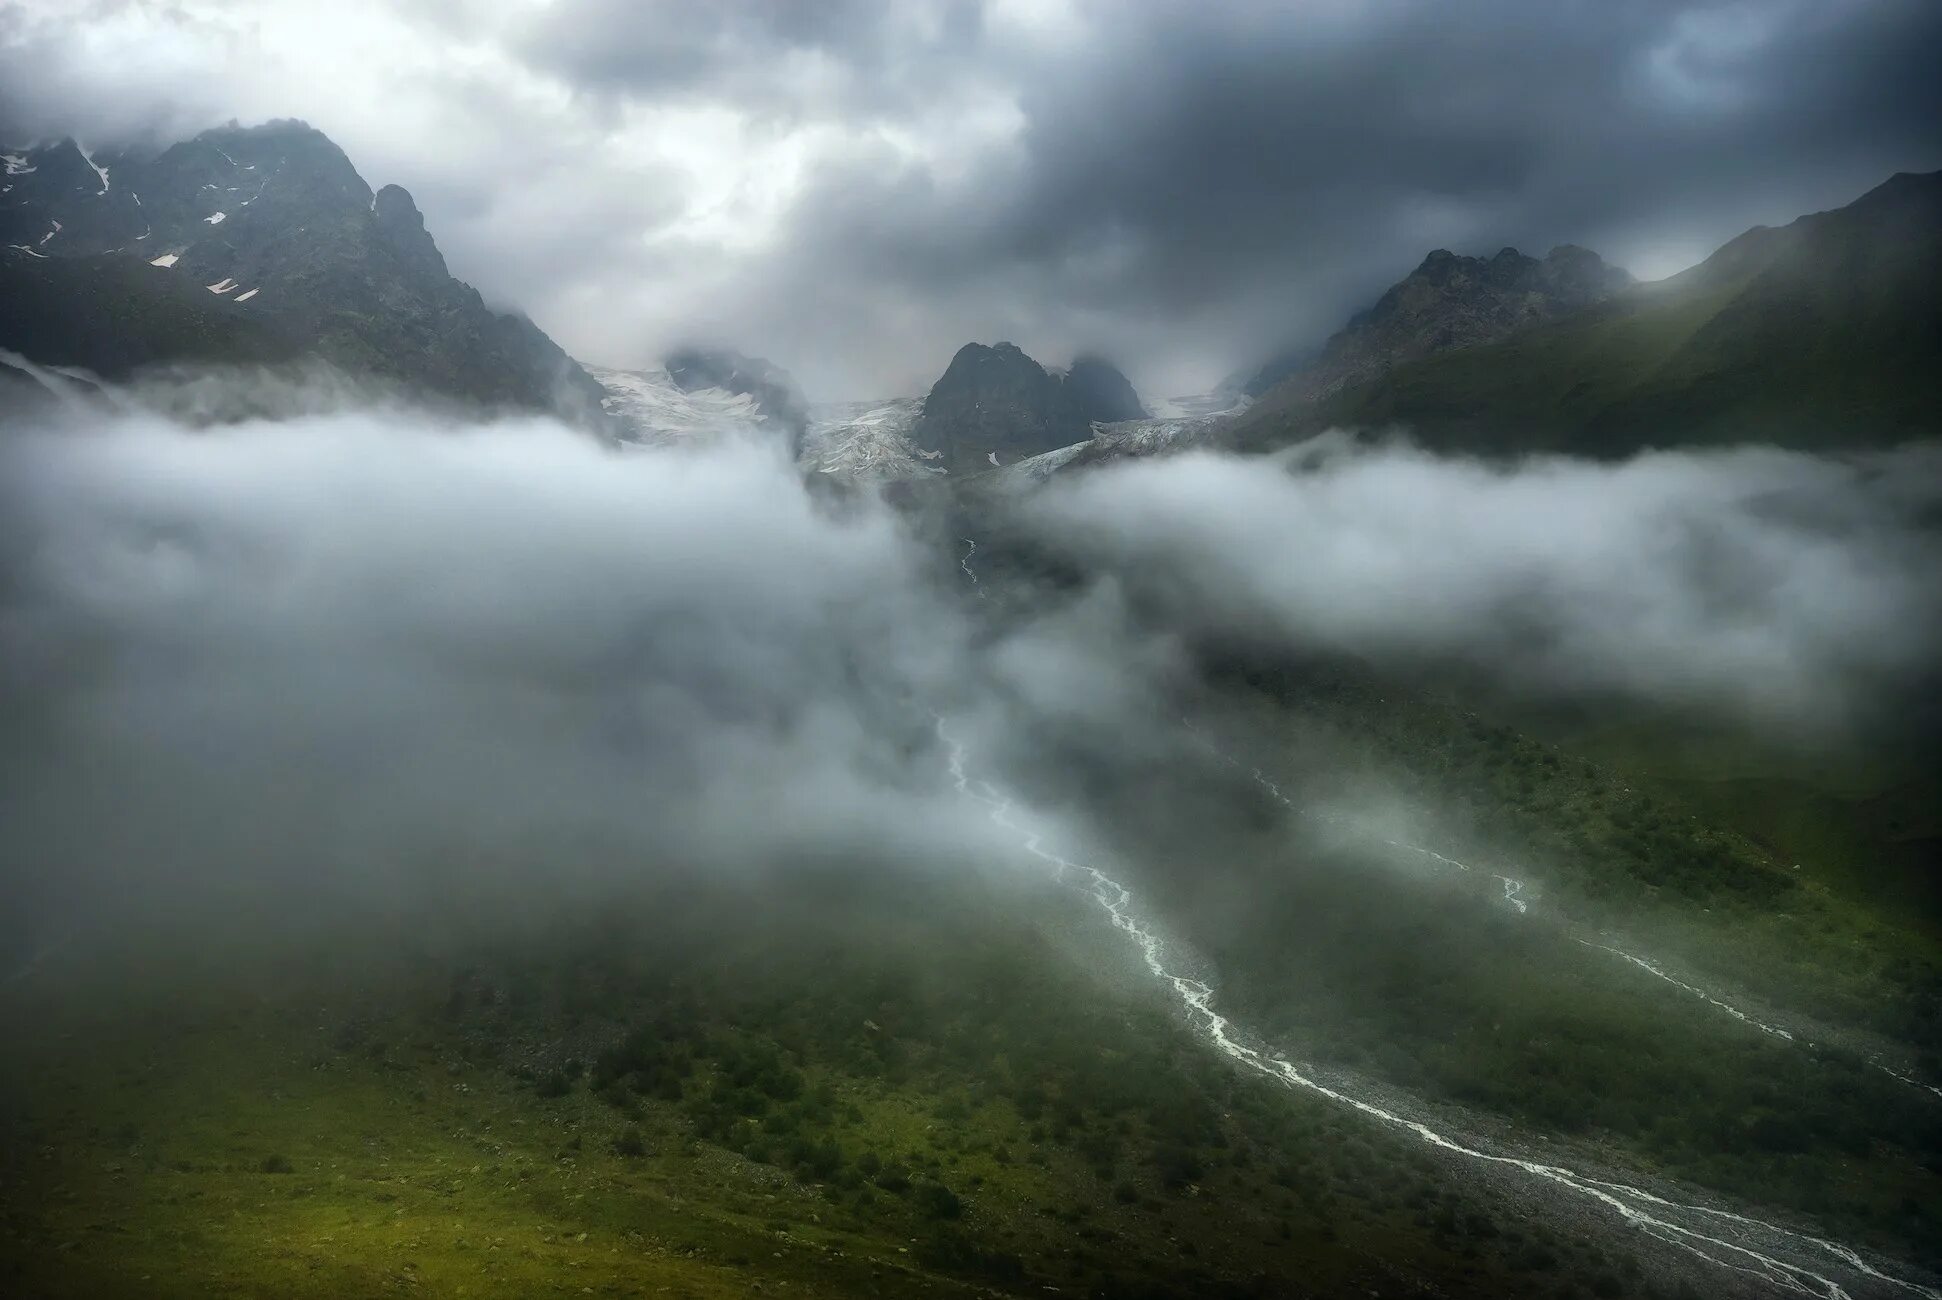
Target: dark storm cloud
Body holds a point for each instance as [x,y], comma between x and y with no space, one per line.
[877,53]
[857,189]
[1200,175]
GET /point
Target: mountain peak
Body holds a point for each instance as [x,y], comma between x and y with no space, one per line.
[273,221]
[995,405]
[403,227]
[1448,301]
[1102,393]
[1817,333]
[394,203]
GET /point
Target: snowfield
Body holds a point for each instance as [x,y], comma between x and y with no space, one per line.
[868,441]
[1153,437]
[657,412]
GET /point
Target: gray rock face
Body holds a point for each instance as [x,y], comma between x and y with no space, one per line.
[1102,393]
[1447,302]
[273,224]
[995,406]
[402,227]
[54,200]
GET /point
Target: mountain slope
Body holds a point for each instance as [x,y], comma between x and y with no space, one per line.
[114,314]
[1447,302]
[275,227]
[1823,333]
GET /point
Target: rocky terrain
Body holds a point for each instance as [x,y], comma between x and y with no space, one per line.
[252,243]
[995,405]
[1447,302]
[1820,333]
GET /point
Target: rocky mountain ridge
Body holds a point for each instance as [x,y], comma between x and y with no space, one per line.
[1821,333]
[1449,301]
[276,226]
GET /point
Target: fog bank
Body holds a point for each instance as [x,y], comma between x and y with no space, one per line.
[373,654]
[1795,590]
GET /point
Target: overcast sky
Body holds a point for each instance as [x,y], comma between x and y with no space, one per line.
[855,189]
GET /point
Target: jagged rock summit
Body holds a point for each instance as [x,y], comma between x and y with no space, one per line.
[994,406]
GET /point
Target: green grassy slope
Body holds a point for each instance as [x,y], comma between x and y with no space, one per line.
[703,1098]
[1370,957]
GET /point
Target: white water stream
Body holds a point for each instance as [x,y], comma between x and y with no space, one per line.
[1791,1262]
[1512,895]
[971,549]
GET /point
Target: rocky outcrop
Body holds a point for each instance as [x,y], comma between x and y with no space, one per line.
[1101,392]
[402,227]
[996,406]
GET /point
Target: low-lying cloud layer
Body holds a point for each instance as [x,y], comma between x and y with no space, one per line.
[371,657]
[1799,590]
[335,651]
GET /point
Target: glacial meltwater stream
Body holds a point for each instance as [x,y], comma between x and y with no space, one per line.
[1783,1259]
[1513,891]
[1787,1260]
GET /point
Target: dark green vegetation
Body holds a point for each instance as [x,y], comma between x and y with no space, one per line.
[330,269]
[1824,333]
[1610,849]
[853,1087]
[1367,956]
